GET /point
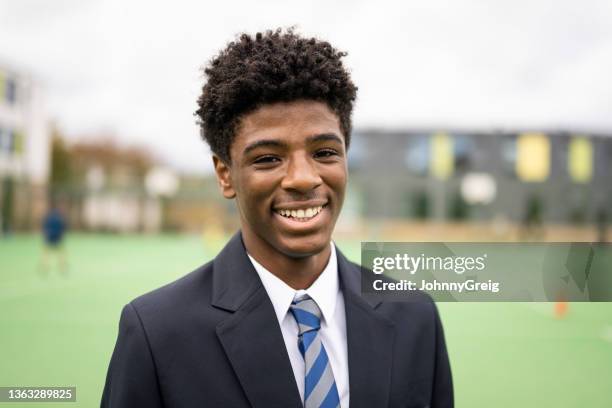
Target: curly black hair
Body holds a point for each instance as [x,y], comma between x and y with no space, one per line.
[275,66]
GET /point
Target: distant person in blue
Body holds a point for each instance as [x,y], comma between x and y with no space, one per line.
[54,228]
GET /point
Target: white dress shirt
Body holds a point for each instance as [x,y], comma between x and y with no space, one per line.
[325,291]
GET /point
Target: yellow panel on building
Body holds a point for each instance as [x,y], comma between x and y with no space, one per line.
[580,159]
[441,156]
[533,157]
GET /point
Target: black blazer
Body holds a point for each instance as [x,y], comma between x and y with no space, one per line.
[212,339]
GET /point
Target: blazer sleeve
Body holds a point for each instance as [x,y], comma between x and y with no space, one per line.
[132,378]
[443,384]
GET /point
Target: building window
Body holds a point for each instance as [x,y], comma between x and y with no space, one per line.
[18,142]
[4,140]
[8,88]
[580,159]
[357,155]
[417,154]
[10,141]
[439,155]
[508,155]
[442,157]
[464,150]
[533,157]
[10,91]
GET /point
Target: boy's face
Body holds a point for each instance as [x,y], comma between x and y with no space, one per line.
[288,175]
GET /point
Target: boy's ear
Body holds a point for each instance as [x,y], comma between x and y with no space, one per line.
[222,170]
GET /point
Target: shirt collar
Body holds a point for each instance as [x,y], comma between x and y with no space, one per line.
[323,291]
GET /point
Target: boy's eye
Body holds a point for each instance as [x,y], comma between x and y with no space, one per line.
[266,160]
[326,153]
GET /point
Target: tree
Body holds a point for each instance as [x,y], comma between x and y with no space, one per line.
[61,167]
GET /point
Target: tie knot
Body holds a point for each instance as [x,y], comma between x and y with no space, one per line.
[306,313]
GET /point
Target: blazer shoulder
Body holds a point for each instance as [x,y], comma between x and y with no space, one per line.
[193,288]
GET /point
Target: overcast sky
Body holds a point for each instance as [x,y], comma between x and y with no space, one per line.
[132,68]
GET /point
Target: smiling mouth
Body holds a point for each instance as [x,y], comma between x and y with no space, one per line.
[302,214]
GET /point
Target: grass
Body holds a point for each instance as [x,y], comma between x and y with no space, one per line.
[59,330]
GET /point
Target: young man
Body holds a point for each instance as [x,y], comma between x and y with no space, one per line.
[277,319]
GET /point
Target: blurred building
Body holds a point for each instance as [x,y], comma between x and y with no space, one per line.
[521,177]
[24,150]
[198,207]
[106,187]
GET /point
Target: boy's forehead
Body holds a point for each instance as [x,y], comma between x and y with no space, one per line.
[302,115]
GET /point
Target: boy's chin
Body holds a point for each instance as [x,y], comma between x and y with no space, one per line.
[304,247]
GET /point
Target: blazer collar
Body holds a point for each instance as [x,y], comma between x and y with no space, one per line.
[253,342]
[250,335]
[234,277]
[370,340]
[351,281]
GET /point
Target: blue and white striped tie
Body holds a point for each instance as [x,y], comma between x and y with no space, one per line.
[319,386]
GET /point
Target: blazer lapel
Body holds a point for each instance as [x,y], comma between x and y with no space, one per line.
[251,336]
[370,338]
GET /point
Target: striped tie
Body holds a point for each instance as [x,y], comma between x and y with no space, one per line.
[319,387]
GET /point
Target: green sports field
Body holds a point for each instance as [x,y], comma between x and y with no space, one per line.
[59,329]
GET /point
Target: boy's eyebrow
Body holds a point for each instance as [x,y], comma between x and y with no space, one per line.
[323,137]
[279,143]
[264,143]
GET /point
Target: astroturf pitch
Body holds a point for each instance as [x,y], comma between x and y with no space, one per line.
[59,329]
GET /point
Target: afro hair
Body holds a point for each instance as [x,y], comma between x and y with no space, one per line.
[275,66]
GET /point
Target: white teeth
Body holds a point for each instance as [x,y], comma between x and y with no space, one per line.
[301,213]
